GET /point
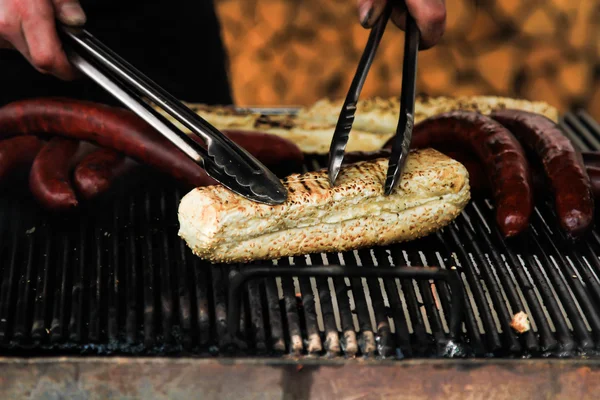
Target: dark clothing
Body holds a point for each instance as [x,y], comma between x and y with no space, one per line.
[176,43]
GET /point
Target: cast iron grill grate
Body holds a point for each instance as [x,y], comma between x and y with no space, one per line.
[116,279]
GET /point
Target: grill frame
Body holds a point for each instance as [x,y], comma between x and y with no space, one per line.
[145,294]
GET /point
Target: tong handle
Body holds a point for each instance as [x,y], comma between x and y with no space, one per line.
[222,159]
[403,137]
[346,118]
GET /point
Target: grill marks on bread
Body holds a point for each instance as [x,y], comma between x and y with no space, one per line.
[223,227]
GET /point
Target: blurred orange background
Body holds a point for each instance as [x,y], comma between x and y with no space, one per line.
[294,52]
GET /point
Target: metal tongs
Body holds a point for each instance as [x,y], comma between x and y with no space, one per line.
[403,136]
[222,159]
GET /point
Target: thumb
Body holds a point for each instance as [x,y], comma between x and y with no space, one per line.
[369,11]
[69,12]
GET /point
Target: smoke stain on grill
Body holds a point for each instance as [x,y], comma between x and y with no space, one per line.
[297,381]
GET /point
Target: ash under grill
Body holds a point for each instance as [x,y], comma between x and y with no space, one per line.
[115,279]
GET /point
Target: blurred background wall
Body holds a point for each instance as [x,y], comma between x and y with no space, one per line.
[298,51]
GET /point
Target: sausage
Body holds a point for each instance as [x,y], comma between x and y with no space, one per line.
[95,173]
[562,163]
[594,175]
[109,127]
[500,154]
[277,153]
[17,152]
[49,179]
[591,158]
[117,129]
[478,181]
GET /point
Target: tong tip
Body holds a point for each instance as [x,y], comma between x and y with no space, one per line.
[335,163]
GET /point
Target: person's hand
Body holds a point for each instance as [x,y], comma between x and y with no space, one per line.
[430,16]
[29,27]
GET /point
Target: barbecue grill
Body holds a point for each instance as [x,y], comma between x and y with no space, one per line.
[109,295]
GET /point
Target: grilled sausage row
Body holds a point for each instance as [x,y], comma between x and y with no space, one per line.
[496,142]
[497,145]
[120,133]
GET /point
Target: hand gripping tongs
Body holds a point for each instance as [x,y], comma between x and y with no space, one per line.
[222,159]
[401,143]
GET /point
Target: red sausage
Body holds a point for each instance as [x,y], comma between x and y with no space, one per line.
[17,152]
[500,154]
[49,179]
[562,163]
[478,181]
[94,174]
[591,158]
[594,174]
[120,130]
[281,154]
[110,127]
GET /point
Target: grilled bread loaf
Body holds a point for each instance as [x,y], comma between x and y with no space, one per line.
[221,226]
[375,119]
[379,115]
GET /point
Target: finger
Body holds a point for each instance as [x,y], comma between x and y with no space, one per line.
[45,49]
[369,11]
[12,37]
[11,34]
[69,12]
[430,17]
[5,44]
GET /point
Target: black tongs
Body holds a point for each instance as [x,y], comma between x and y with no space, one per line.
[222,159]
[401,143]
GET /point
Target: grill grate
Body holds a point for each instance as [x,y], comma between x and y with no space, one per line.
[115,279]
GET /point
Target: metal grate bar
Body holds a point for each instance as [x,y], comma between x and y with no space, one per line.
[95,289]
[314,345]
[386,346]
[203,307]
[257,326]
[483,308]
[410,298]
[149,284]
[131,276]
[366,342]
[549,301]
[8,287]
[512,345]
[115,279]
[291,311]
[508,286]
[571,120]
[58,323]
[275,315]
[43,296]
[475,338]
[166,268]
[220,306]
[25,293]
[574,284]
[349,341]
[332,337]
[77,320]
[184,278]
[429,307]
[396,307]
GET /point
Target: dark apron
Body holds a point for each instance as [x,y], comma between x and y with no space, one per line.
[177,43]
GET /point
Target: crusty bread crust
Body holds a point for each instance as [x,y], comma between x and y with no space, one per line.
[374,124]
[221,226]
[381,115]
